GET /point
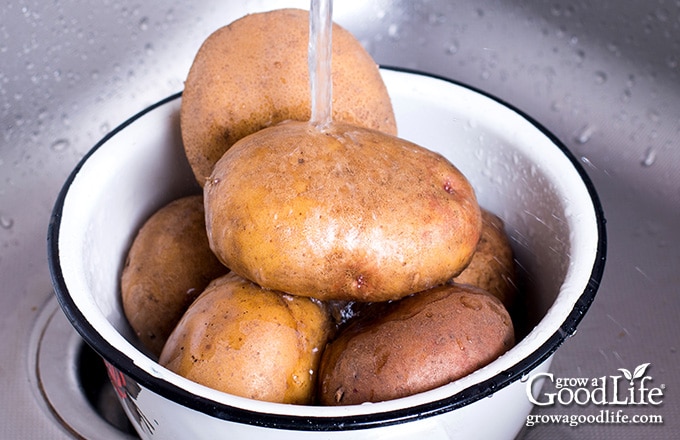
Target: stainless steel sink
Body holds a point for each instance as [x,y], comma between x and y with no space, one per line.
[603,76]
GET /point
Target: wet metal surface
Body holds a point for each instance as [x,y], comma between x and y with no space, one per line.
[601,75]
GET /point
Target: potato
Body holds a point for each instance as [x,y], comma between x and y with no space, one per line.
[492,267]
[253,74]
[347,213]
[167,267]
[417,344]
[244,340]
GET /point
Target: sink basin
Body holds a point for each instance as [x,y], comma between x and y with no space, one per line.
[602,76]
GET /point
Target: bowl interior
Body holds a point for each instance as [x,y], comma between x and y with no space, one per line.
[518,170]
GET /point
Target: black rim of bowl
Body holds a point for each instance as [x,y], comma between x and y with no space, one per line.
[323,423]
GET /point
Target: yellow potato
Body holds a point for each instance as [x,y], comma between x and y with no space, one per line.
[344,214]
[167,267]
[492,267]
[244,340]
[253,74]
[416,344]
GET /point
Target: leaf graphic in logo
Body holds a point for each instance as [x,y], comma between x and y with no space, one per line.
[626,374]
[640,371]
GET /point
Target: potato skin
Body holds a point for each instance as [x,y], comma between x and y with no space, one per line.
[253,73]
[419,343]
[347,213]
[167,267]
[492,267]
[244,340]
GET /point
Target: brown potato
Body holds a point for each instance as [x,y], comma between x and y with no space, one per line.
[492,267]
[417,344]
[244,340]
[253,74]
[347,213]
[167,267]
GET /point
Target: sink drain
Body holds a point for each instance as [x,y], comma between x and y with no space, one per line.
[70,378]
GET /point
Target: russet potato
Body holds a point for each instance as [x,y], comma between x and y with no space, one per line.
[244,340]
[253,73]
[492,267]
[329,265]
[413,345]
[167,267]
[345,213]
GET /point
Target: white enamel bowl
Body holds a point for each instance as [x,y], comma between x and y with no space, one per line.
[520,172]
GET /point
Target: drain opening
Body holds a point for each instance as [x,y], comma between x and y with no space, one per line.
[98,391]
[70,380]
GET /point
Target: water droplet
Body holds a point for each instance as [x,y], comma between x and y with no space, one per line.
[588,162]
[6,222]
[653,115]
[393,31]
[627,94]
[452,48]
[613,48]
[661,14]
[470,302]
[149,49]
[60,145]
[649,157]
[600,77]
[144,24]
[580,55]
[586,133]
[436,18]
[104,128]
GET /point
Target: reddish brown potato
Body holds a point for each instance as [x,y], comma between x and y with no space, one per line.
[347,213]
[244,340]
[253,74]
[416,344]
[492,267]
[167,267]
